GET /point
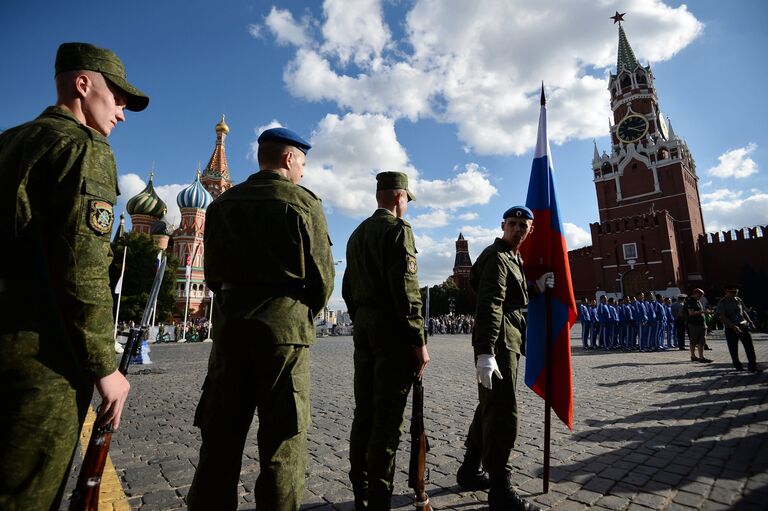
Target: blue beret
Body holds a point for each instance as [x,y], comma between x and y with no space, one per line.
[285,136]
[518,212]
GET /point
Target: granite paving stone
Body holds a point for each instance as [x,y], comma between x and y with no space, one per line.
[652,431]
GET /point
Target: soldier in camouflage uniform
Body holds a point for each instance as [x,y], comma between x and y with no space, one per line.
[268,259]
[498,340]
[58,185]
[382,295]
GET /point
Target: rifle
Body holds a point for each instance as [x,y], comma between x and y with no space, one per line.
[86,493]
[419,448]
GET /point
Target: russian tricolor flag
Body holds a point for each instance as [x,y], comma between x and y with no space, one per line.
[554,312]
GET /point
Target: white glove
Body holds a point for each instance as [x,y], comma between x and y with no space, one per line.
[548,280]
[486,367]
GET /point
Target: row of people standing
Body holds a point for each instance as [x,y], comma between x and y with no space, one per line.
[647,322]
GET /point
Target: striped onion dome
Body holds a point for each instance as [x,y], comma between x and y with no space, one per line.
[147,202]
[194,196]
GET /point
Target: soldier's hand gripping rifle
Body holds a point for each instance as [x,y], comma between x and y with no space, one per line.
[419,448]
[86,494]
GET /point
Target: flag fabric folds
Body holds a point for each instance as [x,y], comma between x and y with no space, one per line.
[545,250]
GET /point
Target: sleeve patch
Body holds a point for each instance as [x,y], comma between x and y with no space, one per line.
[100,216]
[411,264]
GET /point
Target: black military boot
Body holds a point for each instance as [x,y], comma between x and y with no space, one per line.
[502,497]
[361,498]
[472,478]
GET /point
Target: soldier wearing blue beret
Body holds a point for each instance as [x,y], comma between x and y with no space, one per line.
[498,279]
[58,187]
[266,301]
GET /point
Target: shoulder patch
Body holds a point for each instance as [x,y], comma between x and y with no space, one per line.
[410,264]
[100,216]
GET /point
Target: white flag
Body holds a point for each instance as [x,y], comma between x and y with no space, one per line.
[119,285]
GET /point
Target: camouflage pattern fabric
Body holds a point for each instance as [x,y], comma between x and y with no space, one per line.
[381,290]
[266,299]
[57,189]
[499,281]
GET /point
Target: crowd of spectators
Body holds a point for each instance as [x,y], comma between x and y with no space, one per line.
[450,324]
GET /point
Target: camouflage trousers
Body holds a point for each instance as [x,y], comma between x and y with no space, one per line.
[40,423]
[383,378]
[245,375]
[494,427]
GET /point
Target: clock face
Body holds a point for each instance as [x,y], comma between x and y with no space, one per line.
[663,126]
[632,128]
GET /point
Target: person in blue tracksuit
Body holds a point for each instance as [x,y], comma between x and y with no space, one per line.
[595,323]
[585,316]
[604,316]
[629,323]
[661,320]
[671,335]
[640,320]
[652,329]
[613,341]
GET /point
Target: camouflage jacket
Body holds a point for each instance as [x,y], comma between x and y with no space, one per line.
[266,241]
[498,279]
[58,185]
[381,274]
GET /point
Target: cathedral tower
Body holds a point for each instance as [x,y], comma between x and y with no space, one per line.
[216,178]
[188,246]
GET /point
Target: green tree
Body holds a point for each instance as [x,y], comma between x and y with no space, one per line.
[441,297]
[140,266]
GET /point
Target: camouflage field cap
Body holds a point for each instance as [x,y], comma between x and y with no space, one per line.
[393,181]
[84,56]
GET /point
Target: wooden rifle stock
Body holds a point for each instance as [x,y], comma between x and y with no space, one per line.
[85,497]
[419,448]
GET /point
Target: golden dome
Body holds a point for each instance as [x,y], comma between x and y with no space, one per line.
[222,126]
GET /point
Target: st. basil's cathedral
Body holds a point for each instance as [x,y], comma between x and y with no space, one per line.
[147,211]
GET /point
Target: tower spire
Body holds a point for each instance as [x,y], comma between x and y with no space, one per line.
[626,57]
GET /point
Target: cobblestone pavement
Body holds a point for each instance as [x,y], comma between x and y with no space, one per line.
[651,431]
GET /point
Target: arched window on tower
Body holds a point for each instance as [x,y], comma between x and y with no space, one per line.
[626,82]
[641,79]
[607,168]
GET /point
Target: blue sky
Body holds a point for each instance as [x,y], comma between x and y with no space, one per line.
[445,91]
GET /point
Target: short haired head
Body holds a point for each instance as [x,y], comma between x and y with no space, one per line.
[731,288]
[518,212]
[286,137]
[87,57]
[391,180]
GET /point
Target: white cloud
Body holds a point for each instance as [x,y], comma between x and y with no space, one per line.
[255,31]
[435,218]
[468,216]
[720,195]
[479,64]
[727,210]
[575,236]
[286,29]
[470,186]
[354,30]
[735,163]
[349,151]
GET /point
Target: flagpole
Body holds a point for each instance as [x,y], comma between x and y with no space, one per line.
[547,342]
[120,291]
[189,280]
